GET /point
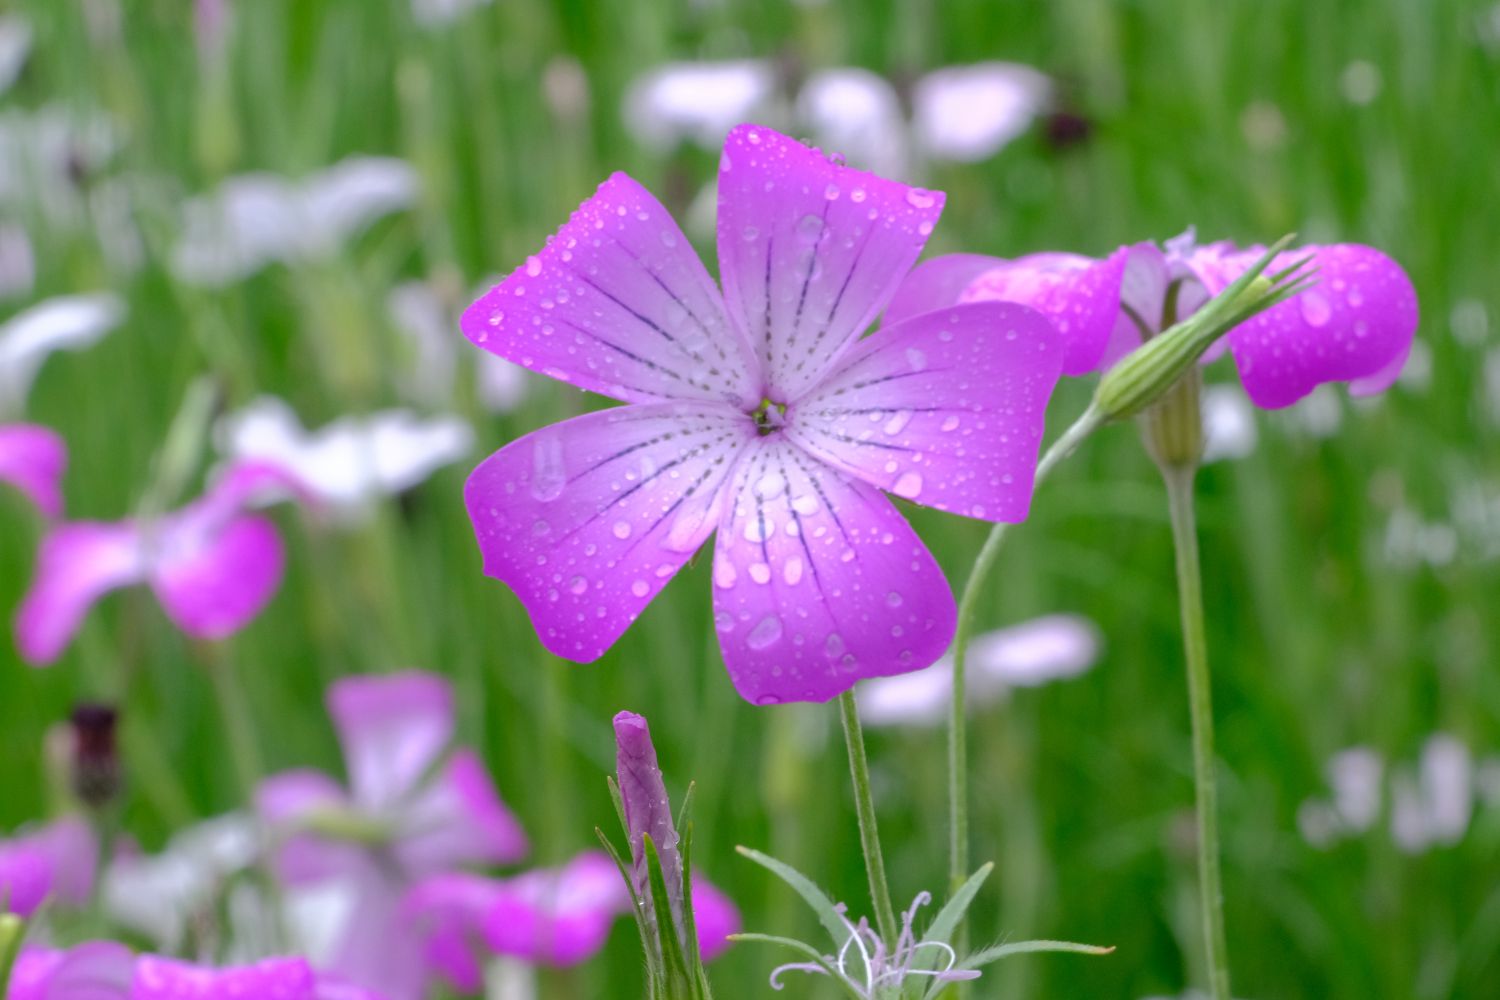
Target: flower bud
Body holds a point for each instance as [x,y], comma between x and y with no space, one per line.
[94,770]
[1146,374]
[1172,427]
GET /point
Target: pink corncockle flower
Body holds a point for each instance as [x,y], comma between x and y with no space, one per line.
[53,863]
[760,412]
[32,459]
[1355,325]
[414,809]
[212,566]
[96,970]
[556,916]
[1053,647]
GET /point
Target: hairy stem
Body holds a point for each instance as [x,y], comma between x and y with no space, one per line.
[1179,482]
[958,750]
[869,835]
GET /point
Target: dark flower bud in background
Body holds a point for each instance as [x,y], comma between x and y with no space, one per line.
[94,771]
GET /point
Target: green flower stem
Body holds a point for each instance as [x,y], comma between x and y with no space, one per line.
[12,931]
[238,726]
[869,836]
[1179,480]
[958,750]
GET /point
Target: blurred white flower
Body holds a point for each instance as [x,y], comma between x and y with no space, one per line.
[15,46]
[65,323]
[1355,776]
[1032,653]
[161,895]
[1317,415]
[1416,374]
[1492,383]
[1470,321]
[44,153]
[435,13]
[351,462]
[418,312]
[1228,423]
[1411,541]
[17,262]
[256,219]
[856,113]
[968,113]
[698,101]
[962,113]
[1360,82]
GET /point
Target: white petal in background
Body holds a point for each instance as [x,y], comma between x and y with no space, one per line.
[431,329]
[1032,653]
[968,113]
[15,46]
[437,13]
[698,102]
[66,323]
[1228,423]
[855,112]
[256,219]
[352,462]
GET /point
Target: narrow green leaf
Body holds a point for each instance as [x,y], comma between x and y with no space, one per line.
[691,955]
[637,910]
[685,811]
[807,951]
[619,801]
[999,951]
[946,922]
[828,915]
[678,983]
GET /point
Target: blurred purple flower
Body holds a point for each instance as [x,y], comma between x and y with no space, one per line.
[1032,653]
[212,566]
[413,810]
[55,862]
[555,916]
[1355,325]
[96,970]
[760,412]
[32,459]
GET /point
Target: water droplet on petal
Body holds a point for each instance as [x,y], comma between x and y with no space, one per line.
[898,422]
[577,585]
[760,572]
[533,267]
[916,358]
[918,198]
[622,530]
[766,633]
[1315,308]
[792,571]
[909,485]
[834,645]
[809,229]
[640,588]
[548,476]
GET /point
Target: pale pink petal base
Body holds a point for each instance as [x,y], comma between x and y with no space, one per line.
[213,585]
[458,818]
[391,729]
[77,564]
[820,582]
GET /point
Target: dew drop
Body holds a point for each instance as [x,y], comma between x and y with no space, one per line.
[770,486]
[806,505]
[533,267]
[1315,308]
[916,358]
[857,195]
[909,485]
[766,633]
[577,585]
[834,645]
[760,572]
[809,229]
[898,422]
[724,621]
[622,529]
[724,574]
[540,528]
[548,476]
[893,599]
[831,192]
[768,699]
[750,233]
[792,571]
[668,239]
[918,198]
[950,423]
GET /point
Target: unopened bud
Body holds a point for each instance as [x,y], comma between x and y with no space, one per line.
[94,772]
[12,932]
[1147,373]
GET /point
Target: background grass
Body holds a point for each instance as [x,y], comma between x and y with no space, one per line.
[1082,789]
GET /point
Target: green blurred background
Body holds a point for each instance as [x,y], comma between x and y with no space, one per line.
[1234,117]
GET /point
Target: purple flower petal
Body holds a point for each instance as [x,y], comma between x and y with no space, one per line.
[285,801]
[588,519]
[213,585]
[937,283]
[96,970]
[457,819]
[810,252]
[448,912]
[1355,325]
[715,916]
[946,409]
[55,861]
[77,564]
[558,916]
[648,810]
[819,582]
[377,949]
[618,303]
[391,729]
[32,459]
[158,978]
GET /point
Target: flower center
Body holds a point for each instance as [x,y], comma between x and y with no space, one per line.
[769,417]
